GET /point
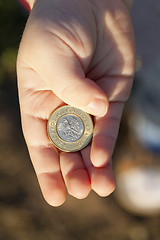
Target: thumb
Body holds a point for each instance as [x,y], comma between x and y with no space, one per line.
[63,72]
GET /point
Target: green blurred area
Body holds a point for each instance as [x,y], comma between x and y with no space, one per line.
[12,22]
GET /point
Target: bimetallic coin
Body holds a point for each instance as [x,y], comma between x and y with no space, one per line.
[70,129]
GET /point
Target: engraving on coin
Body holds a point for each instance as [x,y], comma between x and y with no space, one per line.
[70,129]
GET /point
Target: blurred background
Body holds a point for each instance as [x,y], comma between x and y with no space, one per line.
[23,212]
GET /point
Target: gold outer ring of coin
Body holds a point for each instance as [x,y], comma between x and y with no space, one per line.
[60,143]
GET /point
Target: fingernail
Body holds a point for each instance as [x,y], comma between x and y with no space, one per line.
[98,107]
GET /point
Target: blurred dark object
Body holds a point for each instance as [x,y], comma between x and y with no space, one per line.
[145,117]
[146,22]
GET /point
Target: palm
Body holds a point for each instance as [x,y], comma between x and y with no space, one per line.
[110,66]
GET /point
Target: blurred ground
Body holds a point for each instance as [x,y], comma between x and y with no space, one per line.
[23,212]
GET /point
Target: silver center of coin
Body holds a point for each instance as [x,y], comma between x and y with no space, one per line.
[70,128]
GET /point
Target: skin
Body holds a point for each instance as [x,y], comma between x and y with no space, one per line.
[79,53]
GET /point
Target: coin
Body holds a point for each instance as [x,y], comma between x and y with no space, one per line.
[70,129]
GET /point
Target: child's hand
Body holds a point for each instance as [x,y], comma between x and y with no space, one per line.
[80,53]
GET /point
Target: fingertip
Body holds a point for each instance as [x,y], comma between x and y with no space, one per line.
[78,184]
[103,181]
[56,202]
[101,150]
[53,188]
[99,158]
[98,107]
[105,193]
